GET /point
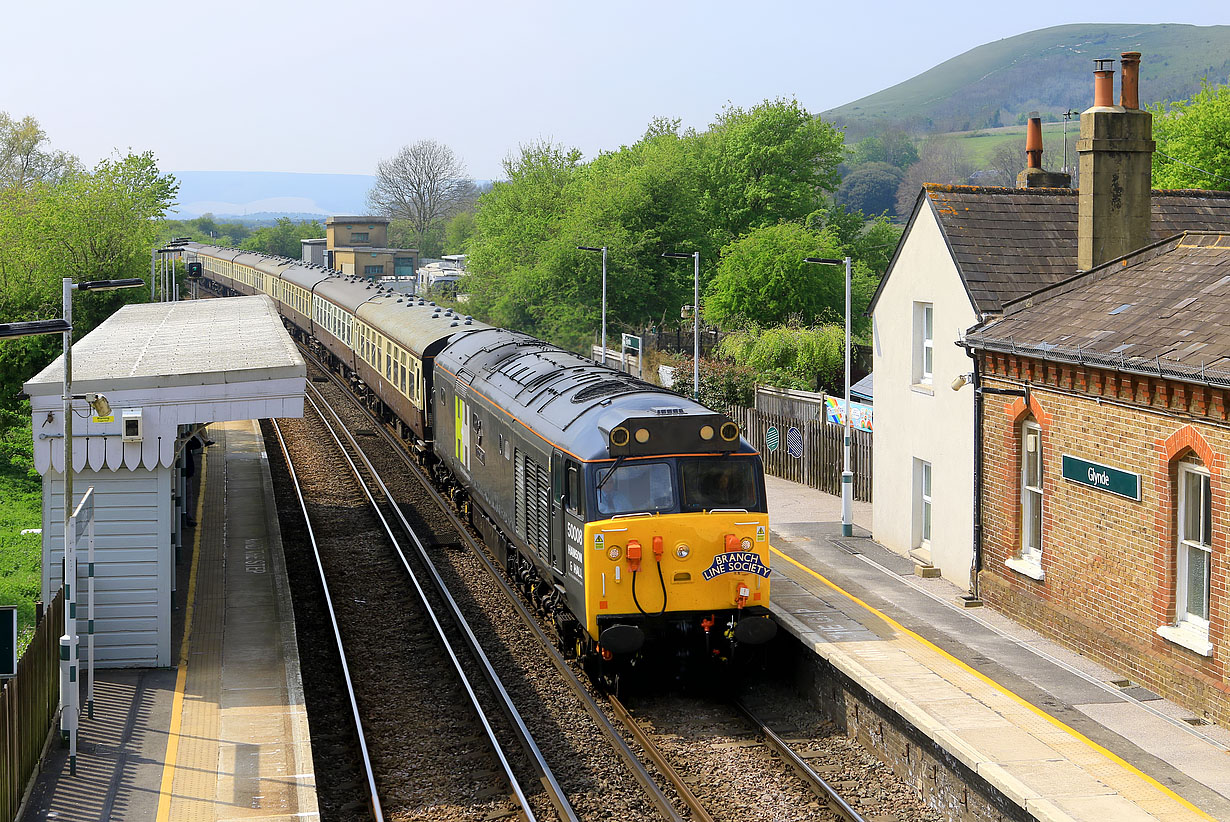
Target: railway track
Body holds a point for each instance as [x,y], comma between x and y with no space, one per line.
[695,809]
[390,518]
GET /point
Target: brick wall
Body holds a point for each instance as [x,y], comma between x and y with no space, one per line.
[1109,562]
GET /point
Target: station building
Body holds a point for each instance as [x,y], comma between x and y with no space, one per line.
[167,370]
[1104,490]
[967,251]
[358,245]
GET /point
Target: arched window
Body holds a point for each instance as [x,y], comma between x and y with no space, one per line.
[1031,493]
[1194,548]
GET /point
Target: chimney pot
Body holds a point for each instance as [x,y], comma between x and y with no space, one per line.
[1033,141]
[1129,84]
[1103,83]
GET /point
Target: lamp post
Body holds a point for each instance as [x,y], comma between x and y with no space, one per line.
[603,250]
[695,255]
[847,474]
[68,642]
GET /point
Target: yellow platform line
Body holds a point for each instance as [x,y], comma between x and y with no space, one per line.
[1010,694]
[177,704]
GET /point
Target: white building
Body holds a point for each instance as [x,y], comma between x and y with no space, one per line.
[965,252]
[167,369]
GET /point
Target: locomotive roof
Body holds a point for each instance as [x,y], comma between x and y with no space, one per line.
[414,323]
[272,265]
[571,401]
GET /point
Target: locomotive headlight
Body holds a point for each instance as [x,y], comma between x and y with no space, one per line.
[745,544]
[619,436]
[682,550]
[706,432]
[642,435]
[730,431]
[614,553]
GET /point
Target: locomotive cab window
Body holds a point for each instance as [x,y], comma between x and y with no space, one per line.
[709,483]
[637,488]
[574,498]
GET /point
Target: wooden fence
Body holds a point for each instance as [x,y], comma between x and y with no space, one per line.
[807,451]
[28,705]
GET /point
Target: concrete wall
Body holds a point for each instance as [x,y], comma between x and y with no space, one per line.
[341,235]
[916,422]
[1108,561]
[134,562]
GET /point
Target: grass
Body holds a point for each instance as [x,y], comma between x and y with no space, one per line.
[20,508]
[979,146]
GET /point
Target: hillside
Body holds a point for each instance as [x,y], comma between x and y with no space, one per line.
[270,194]
[1049,70]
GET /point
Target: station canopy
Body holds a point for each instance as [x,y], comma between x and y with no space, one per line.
[177,363]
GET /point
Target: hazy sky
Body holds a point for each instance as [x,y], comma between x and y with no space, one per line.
[333,87]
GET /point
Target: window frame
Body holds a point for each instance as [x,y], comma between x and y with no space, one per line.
[1183,546]
[1033,498]
[926,479]
[928,344]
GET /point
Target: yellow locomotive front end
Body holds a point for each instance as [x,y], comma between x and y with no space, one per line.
[677,550]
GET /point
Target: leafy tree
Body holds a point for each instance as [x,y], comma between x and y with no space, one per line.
[24,155]
[770,163]
[894,147]
[457,232]
[207,229]
[423,184]
[88,225]
[871,188]
[1193,141]
[762,278]
[283,238]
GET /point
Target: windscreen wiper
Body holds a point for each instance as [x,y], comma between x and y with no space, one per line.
[610,473]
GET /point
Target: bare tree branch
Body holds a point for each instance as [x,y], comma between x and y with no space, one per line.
[424,184]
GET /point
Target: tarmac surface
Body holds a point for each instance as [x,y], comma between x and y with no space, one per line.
[972,675]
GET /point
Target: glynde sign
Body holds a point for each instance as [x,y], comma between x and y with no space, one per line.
[1102,477]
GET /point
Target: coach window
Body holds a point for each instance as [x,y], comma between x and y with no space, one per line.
[1029,562]
[1194,550]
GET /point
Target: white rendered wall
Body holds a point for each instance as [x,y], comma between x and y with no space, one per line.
[134,561]
[911,422]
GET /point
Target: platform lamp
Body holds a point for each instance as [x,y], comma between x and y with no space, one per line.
[847,474]
[695,255]
[603,250]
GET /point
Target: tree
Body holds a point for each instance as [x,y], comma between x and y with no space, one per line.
[793,355]
[457,232]
[940,160]
[24,156]
[1007,161]
[423,184]
[770,163]
[283,238]
[871,188]
[762,278]
[1193,141]
[88,225]
[894,147]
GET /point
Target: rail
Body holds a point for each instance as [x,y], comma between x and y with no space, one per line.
[549,782]
[592,707]
[373,795]
[823,790]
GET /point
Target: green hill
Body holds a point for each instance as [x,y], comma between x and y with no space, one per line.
[1049,71]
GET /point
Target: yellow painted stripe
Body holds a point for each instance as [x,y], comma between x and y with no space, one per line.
[177,703]
[1018,699]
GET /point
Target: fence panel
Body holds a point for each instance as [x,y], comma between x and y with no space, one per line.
[28,705]
[818,444]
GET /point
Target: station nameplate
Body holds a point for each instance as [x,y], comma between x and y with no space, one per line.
[1102,477]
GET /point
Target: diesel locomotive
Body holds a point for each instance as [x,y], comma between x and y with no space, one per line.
[635,519]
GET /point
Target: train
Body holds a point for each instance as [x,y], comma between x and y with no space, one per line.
[635,519]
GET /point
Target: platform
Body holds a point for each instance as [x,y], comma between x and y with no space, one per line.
[1043,725]
[224,736]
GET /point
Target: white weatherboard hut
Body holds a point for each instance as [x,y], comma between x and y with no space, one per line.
[166,369]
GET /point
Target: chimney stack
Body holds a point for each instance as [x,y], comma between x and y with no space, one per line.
[1116,168]
[1034,176]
